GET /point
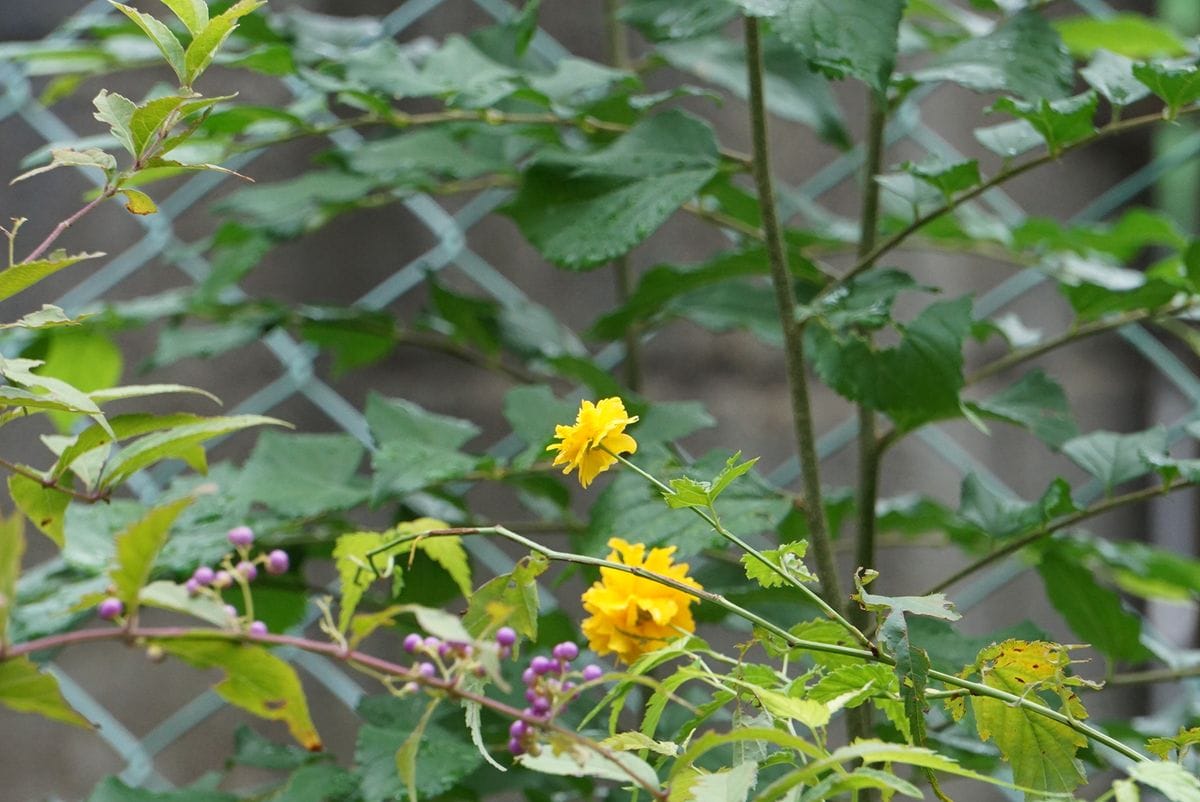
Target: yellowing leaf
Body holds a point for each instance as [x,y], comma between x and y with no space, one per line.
[45,507]
[356,572]
[27,690]
[139,202]
[137,547]
[12,547]
[256,681]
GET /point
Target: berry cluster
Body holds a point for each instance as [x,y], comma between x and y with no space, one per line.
[549,686]
[236,568]
[444,659]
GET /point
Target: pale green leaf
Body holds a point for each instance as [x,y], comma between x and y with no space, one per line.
[1127,33]
[255,680]
[935,605]
[165,595]
[69,157]
[164,39]
[634,741]
[84,358]
[1112,76]
[12,548]
[137,547]
[726,785]
[25,274]
[204,46]
[355,569]
[45,507]
[1037,403]
[303,475]
[142,390]
[510,599]
[1116,458]
[25,689]
[48,317]
[576,761]
[192,13]
[788,558]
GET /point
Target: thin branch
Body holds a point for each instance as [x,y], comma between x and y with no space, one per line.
[61,228]
[802,419]
[360,660]
[1153,676]
[1050,528]
[1112,129]
[29,473]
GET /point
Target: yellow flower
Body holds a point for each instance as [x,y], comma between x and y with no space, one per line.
[631,615]
[599,429]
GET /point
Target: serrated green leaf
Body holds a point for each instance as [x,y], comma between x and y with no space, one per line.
[727,785]
[507,599]
[1175,86]
[581,211]
[69,157]
[23,275]
[854,684]
[448,552]
[163,38]
[1112,76]
[146,122]
[406,755]
[1180,743]
[303,475]
[660,20]
[177,443]
[913,383]
[935,605]
[1009,139]
[255,680]
[1116,458]
[12,549]
[634,741]
[788,558]
[1037,403]
[1126,33]
[1059,122]
[856,38]
[204,46]
[948,179]
[416,447]
[1023,55]
[1095,613]
[25,689]
[137,547]
[1171,780]
[192,13]
[355,569]
[45,507]
[112,789]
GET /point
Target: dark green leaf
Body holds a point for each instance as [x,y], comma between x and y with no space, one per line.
[581,210]
[1094,612]
[660,20]
[1060,122]
[303,475]
[1112,76]
[510,599]
[1024,56]
[1116,458]
[252,749]
[114,790]
[1175,86]
[416,448]
[856,38]
[1037,403]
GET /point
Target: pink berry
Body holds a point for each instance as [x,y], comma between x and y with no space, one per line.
[277,562]
[518,729]
[506,636]
[541,665]
[192,586]
[203,575]
[515,748]
[110,608]
[593,673]
[427,670]
[241,536]
[528,677]
[258,628]
[566,651]
[412,642]
[248,570]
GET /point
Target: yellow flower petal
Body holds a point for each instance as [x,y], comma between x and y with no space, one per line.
[598,433]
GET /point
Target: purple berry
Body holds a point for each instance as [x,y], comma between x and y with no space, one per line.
[248,570]
[555,667]
[412,642]
[515,748]
[241,536]
[528,677]
[506,636]
[203,575]
[540,705]
[530,695]
[258,628]
[427,670]
[444,648]
[192,586]
[110,608]
[277,562]
[541,665]
[592,673]
[518,729]
[566,651]
[432,644]
[505,652]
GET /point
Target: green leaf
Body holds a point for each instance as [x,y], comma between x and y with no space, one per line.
[1171,780]
[581,210]
[137,548]
[252,749]
[1037,403]
[728,785]
[416,448]
[44,506]
[406,755]
[912,676]
[192,13]
[448,552]
[178,443]
[165,595]
[303,475]
[1023,55]
[84,358]
[25,689]
[856,38]
[660,20]
[112,789]
[913,383]
[1009,139]
[507,599]
[69,157]
[1059,122]
[1112,76]
[948,179]
[1094,612]
[1179,743]
[793,90]
[12,548]
[576,761]
[121,427]
[355,569]
[166,42]
[788,558]
[204,46]
[1116,458]
[48,317]
[935,605]
[1175,86]
[1127,33]
[255,680]
[446,756]
[25,274]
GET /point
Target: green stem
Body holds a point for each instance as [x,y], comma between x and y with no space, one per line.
[974,688]
[793,335]
[1050,528]
[710,517]
[1154,675]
